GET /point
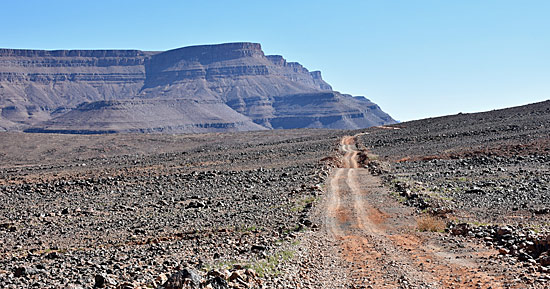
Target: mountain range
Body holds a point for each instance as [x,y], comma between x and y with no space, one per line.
[206,88]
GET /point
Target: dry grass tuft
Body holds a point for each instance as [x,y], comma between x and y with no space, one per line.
[430,223]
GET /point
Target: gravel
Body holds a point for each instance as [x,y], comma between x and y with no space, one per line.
[200,202]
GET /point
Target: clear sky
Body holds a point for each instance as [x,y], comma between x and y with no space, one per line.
[414,58]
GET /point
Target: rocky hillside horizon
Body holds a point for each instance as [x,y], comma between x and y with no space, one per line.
[206,88]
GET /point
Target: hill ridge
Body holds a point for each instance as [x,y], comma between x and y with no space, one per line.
[40,90]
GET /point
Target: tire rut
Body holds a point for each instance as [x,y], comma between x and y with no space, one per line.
[383,254]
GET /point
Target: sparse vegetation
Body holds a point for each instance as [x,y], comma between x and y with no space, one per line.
[372,157]
[301,204]
[429,223]
[269,266]
[220,265]
[251,228]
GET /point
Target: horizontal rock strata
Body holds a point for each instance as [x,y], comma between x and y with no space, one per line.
[206,88]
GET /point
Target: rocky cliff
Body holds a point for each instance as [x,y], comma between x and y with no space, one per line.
[231,86]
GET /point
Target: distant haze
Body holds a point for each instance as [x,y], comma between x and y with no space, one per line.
[415,59]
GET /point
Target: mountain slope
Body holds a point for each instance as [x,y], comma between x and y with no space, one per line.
[231,86]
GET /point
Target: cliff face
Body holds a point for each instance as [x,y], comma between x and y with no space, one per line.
[36,84]
[205,88]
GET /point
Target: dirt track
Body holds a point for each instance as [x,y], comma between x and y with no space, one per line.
[377,237]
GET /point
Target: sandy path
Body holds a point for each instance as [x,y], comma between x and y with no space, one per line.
[377,237]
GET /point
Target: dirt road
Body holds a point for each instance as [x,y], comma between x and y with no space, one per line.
[378,239]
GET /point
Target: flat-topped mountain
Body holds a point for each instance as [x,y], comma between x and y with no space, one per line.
[207,88]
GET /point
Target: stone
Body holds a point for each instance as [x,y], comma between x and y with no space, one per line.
[161,278]
[20,271]
[307,222]
[250,272]
[257,247]
[504,251]
[99,281]
[102,280]
[54,255]
[73,286]
[127,285]
[461,229]
[238,274]
[216,273]
[195,204]
[217,282]
[503,231]
[185,278]
[544,259]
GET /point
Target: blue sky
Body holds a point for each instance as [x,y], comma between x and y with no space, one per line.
[416,59]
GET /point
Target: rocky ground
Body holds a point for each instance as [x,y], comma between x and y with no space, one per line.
[487,175]
[130,210]
[458,201]
[490,167]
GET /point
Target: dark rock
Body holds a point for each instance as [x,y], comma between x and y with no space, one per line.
[542,211]
[461,229]
[196,204]
[307,222]
[237,275]
[257,247]
[10,227]
[99,281]
[54,255]
[501,231]
[25,271]
[20,271]
[544,259]
[475,190]
[217,282]
[185,278]
[524,257]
